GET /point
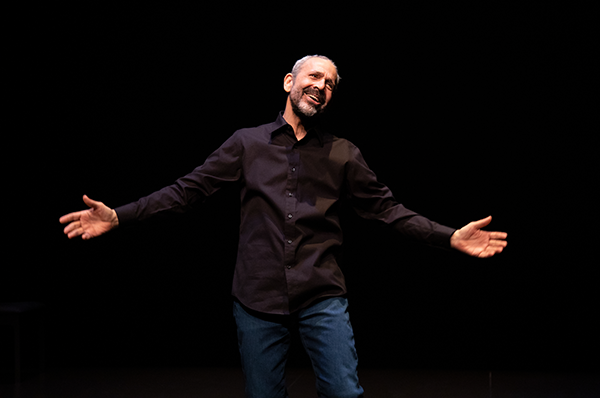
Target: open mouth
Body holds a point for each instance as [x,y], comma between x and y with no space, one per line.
[314,98]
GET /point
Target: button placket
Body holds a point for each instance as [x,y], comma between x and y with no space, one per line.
[290,208]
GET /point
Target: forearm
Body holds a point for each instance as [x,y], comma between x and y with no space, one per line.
[424,230]
[171,199]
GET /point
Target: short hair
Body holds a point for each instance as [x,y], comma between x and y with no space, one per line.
[298,65]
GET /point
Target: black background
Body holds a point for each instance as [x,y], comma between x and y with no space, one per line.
[462,112]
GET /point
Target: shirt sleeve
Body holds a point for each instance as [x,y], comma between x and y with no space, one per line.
[374,200]
[221,167]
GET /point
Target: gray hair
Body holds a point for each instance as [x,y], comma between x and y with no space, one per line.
[298,65]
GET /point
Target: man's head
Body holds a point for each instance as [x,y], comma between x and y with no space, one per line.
[310,85]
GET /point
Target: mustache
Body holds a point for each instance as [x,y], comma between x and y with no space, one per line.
[315,92]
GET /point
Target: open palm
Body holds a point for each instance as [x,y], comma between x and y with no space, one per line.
[90,223]
[472,240]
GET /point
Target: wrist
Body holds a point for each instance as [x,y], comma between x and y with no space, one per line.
[454,239]
[114,222]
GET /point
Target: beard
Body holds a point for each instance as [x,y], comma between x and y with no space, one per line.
[302,107]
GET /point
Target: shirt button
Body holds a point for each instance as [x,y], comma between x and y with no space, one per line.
[290,194]
[289,241]
[290,216]
[289,267]
[293,169]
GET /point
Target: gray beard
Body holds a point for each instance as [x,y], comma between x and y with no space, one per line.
[301,108]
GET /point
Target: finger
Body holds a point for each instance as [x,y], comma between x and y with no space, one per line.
[498,243]
[482,223]
[498,235]
[497,249]
[70,217]
[490,251]
[75,233]
[72,226]
[91,203]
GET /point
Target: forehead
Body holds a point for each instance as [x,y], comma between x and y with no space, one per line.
[320,65]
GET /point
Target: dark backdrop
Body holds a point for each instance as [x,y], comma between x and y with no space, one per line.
[462,112]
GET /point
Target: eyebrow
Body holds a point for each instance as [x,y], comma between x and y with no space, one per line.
[316,72]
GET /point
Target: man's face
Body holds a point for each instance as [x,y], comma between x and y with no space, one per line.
[312,89]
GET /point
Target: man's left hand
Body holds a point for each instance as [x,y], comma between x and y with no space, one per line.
[471,240]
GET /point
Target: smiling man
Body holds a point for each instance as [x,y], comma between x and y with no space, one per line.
[293,176]
[310,84]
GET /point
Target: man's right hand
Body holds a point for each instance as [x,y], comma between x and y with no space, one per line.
[97,220]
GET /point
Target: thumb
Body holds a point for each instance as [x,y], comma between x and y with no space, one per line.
[90,203]
[482,223]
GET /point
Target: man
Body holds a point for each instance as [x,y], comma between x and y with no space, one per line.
[293,176]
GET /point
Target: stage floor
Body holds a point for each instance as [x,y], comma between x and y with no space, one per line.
[228,382]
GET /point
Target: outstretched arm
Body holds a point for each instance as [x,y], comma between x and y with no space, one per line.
[90,223]
[473,241]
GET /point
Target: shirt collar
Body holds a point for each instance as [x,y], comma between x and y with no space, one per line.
[281,126]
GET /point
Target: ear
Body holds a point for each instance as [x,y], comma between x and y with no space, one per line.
[288,82]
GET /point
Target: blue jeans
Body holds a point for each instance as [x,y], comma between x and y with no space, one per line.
[326,334]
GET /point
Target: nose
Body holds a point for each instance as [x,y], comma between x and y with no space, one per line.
[320,84]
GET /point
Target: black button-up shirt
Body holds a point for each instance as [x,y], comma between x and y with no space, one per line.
[290,233]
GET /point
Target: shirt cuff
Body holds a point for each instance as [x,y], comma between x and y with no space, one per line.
[127,214]
[441,236]
[426,231]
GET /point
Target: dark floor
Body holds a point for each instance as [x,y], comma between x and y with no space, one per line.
[228,382]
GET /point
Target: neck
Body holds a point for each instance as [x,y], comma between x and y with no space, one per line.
[297,123]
